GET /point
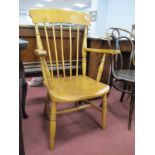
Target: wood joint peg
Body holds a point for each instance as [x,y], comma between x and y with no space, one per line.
[40,52]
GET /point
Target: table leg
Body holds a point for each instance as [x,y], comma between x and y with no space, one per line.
[24,92]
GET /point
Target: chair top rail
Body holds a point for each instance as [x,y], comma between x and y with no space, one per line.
[59,16]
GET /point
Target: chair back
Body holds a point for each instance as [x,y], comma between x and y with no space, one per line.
[114,37]
[55,21]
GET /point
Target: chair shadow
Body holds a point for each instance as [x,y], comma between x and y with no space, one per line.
[63,134]
[121,111]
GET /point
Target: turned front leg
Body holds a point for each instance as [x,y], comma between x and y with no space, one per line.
[52,125]
[104,111]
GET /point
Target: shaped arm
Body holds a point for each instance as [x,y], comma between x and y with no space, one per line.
[45,71]
[103,51]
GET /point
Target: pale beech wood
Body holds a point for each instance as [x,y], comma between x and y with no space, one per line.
[89,104]
[48,49]
[55,49]
[46,73]
[52,125]
[77,52]
[84,53]
[70,45]
[62,51]
[105,51]
[74,109]
[39,43]
[40,52]
[104,111]
[60,16]
[73,88]
[101,67]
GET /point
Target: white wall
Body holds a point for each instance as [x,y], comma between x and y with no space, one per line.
[110,13]
[101,21]
[121,13]
[24,18]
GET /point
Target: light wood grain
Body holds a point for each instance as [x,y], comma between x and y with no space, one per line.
[73,88]
[55,49]
[70,45]
[84,53]
[101,67]
[48,48]
[52,125]
[60,16]
[62,51]
[106,51]
[77,52]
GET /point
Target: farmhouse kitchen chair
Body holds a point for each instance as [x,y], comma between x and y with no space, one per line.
[63,88]
[123,79]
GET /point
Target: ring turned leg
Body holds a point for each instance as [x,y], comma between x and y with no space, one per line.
[52,125]
[104,111]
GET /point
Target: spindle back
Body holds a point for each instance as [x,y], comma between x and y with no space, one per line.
[54,20]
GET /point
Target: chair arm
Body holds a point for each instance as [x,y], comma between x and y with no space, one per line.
[40,52]
[104,51]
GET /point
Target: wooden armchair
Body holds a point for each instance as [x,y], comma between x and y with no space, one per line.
[63,88]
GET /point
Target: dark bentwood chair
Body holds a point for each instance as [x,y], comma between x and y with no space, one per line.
[122,79]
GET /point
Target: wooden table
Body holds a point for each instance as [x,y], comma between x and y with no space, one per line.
[22,45]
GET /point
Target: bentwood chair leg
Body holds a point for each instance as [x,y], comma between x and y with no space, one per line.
[104,111]
[132,103]
[52,125]
[122,96]
[123,93]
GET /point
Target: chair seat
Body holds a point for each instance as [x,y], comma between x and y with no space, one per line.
[74,88]
[127,75]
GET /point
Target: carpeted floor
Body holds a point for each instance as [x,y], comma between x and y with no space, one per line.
[78,133]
